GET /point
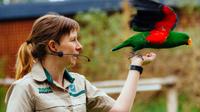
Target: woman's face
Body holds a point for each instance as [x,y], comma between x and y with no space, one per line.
[69,44]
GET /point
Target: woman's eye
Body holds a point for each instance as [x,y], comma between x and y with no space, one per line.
[73,39]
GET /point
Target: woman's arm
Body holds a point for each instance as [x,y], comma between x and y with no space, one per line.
[126,98]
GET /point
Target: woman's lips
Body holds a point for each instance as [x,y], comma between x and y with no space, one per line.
[75,56]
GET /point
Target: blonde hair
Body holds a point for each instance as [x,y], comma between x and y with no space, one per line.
[24,60]
[46,28]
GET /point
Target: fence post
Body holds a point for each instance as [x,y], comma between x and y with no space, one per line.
[172,97]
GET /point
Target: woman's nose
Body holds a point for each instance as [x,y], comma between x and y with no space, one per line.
[79,47]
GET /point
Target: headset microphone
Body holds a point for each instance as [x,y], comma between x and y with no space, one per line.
[61,54]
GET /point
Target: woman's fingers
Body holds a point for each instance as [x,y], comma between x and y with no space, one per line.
[148,58]
[143,59]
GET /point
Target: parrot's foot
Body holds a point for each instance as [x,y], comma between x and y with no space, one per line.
[132,54]
[145,62]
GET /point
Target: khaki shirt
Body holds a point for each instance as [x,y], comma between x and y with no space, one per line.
[37,92]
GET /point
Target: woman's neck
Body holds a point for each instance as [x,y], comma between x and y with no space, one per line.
[55,68]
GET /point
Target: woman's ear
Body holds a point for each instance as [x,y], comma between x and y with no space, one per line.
[53,46]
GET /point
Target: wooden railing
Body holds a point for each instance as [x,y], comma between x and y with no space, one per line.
[6,81]
[150,84]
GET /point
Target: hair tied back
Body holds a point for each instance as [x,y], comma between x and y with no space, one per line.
[28,42]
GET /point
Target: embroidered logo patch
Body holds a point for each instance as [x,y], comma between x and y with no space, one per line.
[45,90]
[77,94]
[72,88]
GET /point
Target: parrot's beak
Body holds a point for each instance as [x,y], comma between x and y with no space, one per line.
[189,41]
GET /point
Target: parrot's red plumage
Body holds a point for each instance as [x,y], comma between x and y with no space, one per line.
[162,28]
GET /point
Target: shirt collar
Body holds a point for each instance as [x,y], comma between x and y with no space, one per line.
[68,77]
[38,73]
[41,74]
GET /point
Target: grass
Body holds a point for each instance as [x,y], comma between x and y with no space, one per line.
[158,104]
[2,97]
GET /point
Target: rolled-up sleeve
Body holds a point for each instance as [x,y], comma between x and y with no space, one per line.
[19,99]
[97,100]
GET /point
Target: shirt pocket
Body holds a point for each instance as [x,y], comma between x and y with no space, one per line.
[79,103]
[51,105]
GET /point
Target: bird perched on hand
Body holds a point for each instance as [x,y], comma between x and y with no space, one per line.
[155,22]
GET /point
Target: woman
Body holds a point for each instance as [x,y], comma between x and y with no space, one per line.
[43,83]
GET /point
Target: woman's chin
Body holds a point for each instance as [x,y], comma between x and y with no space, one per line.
[73,62]
[70,63]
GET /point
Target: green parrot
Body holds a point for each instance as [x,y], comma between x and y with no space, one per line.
[139,41]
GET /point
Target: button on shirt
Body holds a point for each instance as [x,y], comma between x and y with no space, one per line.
[38,92]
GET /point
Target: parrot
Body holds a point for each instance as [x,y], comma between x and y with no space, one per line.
[155,23]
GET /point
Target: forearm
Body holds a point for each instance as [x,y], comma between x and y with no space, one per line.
[125,100]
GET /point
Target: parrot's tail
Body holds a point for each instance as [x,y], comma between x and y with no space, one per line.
[124,44]
[116,48]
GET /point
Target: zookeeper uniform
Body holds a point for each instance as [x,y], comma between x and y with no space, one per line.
[37,92]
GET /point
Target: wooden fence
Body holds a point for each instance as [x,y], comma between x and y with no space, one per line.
[151,84]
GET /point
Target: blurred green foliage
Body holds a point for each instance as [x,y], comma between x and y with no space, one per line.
[99,34]
[2,67]
[2,88]
[2,98]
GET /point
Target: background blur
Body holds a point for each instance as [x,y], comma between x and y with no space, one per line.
[104,24]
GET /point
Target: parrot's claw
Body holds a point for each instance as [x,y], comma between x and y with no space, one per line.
[132,54]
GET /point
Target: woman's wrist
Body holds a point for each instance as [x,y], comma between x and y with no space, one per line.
[137,61]
[136,68]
